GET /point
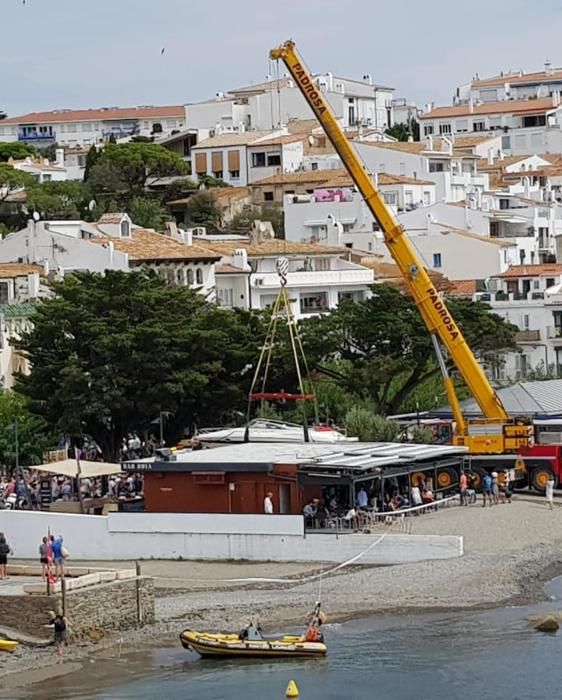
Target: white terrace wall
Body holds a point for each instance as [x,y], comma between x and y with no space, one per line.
[213,537]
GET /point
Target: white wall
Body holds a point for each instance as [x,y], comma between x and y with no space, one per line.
[59,250]
[210,536]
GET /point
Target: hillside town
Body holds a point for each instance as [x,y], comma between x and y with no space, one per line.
[294,345]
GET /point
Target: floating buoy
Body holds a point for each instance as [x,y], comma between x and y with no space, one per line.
[292,690]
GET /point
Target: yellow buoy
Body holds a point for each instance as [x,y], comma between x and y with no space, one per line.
[292,690]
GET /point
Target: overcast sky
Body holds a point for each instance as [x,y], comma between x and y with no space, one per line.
[91,53]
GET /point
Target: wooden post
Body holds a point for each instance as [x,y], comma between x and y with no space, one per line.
[63,594]
[139,611]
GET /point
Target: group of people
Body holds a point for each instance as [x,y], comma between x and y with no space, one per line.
[496,488]
[132,447]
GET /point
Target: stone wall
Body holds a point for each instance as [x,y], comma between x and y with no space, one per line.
[110,606]
[91,611]
[27,613]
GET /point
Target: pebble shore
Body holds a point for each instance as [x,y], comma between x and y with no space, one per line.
[511,550]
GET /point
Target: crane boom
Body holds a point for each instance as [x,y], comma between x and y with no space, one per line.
[432,307]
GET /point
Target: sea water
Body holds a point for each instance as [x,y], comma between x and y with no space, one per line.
[435,656]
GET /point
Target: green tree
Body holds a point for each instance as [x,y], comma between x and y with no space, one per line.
[121,171]
[368,427]
[203,209]
[15,150]
[91,160]
[404,130]
[12,180]
[179,189]
[3,115]
[148,213]
[33,434]
[50,152]
[387,349]
[59,200]
[209,182]
[110,352]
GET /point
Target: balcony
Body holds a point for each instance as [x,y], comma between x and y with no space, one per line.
[527,336]
[511,297]
[36,137]
[326,278]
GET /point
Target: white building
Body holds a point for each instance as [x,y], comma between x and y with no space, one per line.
[241,158]
[513,86]
[319,276]
[277,102]
[43,170]
[530,297]
[112,243]
[527,125]
[456,253]
[334,213]
[87,127]
[453,168]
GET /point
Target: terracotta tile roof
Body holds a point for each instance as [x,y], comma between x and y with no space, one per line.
[546,171]
[303,126]
[518,78]
[390,274]
[333,178]
[225,195]
[102,114]
[231,139]
[111,218]
[462,288]
[417,147]
[507,107]
[485,167]
[499,242]
[149,245]
[225,269]
[545,270]
[11,270]
[280,140]
[272,247]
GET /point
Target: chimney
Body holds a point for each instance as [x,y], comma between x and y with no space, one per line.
[471,105]
[240,258]
[187,236]
[172,229]
[430,143]
[59,157]
[491,156]
[45,268]
[33,285]
[548,69]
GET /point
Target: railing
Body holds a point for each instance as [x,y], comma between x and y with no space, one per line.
[36,137]
[316,278]
[527,336]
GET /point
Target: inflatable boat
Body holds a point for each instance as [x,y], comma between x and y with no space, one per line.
[222,645]
[7,645]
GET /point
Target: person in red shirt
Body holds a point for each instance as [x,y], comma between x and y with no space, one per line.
[463,481]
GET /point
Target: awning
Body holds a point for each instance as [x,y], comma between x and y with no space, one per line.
[68,467]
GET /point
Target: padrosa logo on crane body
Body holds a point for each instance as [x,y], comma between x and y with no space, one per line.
[441,309]
[309,88]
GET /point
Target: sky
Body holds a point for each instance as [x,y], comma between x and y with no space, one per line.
[60,54]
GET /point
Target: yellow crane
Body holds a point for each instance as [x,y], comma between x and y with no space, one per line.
[497,432]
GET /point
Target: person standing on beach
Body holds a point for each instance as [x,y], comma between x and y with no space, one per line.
[61,627]
[487,490]
[495,488]
[5,549]
[44,557]
[463,483]
[58,556]
[550,492]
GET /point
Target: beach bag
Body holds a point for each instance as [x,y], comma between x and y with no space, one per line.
[64,552]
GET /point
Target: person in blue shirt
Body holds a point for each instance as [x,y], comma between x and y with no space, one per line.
[56,549]
[362,499]
[487,483]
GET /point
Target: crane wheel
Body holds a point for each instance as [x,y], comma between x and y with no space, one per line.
[417,478]
[446,478]
[477,475]
[539,477]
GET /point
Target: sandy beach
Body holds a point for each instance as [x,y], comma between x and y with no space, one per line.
[510,551]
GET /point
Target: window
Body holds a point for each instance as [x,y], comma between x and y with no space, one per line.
[268,196]
[479,126]
[461,125]
[526,322]
[273,159]
[444,128]
[436,260]
[217,174]
[536,284]
[125,229]
[190,277]
[494,229]
[225,297]
[314,166]
[409,197]
[428,130]
[402,168]
[314,303]
[389,198]
[322,264]
[537,120]
[550,282]
[234,174]
[4,293]
[427,198]
[46,178]
[504,203]
[258,160]
[199,276]
[435,167]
